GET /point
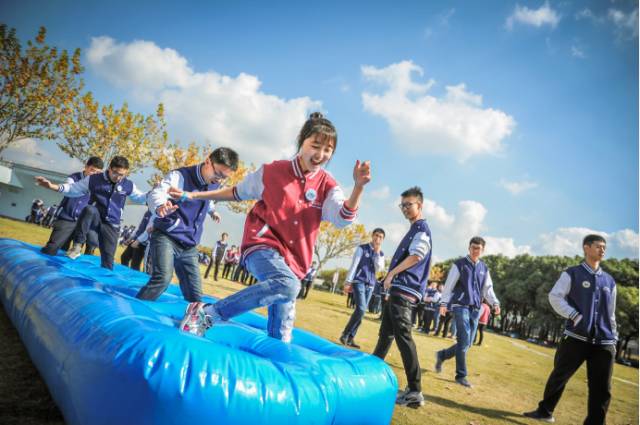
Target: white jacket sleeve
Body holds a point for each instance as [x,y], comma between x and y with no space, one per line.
[335,211]
[450,283]
[558,297]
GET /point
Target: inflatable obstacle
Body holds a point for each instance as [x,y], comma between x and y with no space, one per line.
[109,358]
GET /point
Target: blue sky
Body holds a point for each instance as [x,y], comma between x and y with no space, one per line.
[518,120]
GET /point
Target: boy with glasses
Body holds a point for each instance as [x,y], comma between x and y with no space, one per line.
[406,282]
[585,296]
[178,226]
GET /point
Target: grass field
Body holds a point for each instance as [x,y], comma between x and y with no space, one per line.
[508,374]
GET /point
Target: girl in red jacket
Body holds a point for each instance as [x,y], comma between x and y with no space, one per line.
[293,197]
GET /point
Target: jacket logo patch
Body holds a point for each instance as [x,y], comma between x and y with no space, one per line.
[367,255]
[311,195]
[586,284]
[119,188]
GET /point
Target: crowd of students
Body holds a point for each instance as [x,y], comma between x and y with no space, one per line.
[275,258]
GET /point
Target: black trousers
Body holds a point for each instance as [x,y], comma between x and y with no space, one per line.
[570,355]
[132,257]
[304,289]
[227,270]
[444,324]
[429,317]
[396,324]
[480,333]
[60,236]
[214,262]
[107,234]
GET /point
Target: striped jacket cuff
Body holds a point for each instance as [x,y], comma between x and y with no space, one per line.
[348,213]
[235,194]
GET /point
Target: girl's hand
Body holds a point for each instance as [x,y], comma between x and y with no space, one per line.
[362,173]
[176,193]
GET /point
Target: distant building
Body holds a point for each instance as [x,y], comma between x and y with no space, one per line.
[18,188]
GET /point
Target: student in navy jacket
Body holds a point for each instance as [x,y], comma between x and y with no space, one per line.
[108,193]
[178,228]
[406,282]
[217,254]
[368,259]
[70,209]
[585,295]
[468,282]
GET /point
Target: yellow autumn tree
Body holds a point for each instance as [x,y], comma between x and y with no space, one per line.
[335,243]
[35,86]
[105,131]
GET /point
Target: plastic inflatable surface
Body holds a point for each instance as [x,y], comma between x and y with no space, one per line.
[109,358]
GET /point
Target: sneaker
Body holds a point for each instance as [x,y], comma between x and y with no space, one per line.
[535,414]
[75,251]
[439,361]
[412,399]
[351,343]
[343,340]
[401,395]
[463,381]
[195,320]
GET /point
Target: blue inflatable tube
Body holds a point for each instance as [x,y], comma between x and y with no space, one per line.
[109,358]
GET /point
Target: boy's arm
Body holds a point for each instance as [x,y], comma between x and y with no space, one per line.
[71,190]
[447,291]
[558,299]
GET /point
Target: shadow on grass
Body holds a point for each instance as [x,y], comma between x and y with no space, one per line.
[24,397]
[504,415]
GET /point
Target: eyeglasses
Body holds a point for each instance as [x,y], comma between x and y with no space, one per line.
[406,205]
[218,175]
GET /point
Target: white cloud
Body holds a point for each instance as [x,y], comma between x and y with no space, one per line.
[455,124]
[394,231]
[577,52]
[204,106]
[515,188]
[505,246]
[626,24]
[435,213]
[380,193]
[568,241]
[545,15]
[31,152]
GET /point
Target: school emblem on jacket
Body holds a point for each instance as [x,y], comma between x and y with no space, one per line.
[586,284]
[311,195]
[119,188]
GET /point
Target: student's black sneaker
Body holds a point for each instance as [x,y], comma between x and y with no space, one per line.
[343,340]
[351,343]
[439,361]
[75,251]
[535,414]
[412,399]
[464,382]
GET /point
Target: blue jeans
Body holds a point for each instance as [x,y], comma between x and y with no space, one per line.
[361,295]
[466,320]
[166,253]
[277,288]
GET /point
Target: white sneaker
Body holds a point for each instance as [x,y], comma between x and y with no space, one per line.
[75,251]
[412,399]
[195,320]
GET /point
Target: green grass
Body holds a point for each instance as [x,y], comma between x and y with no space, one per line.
[508,374]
